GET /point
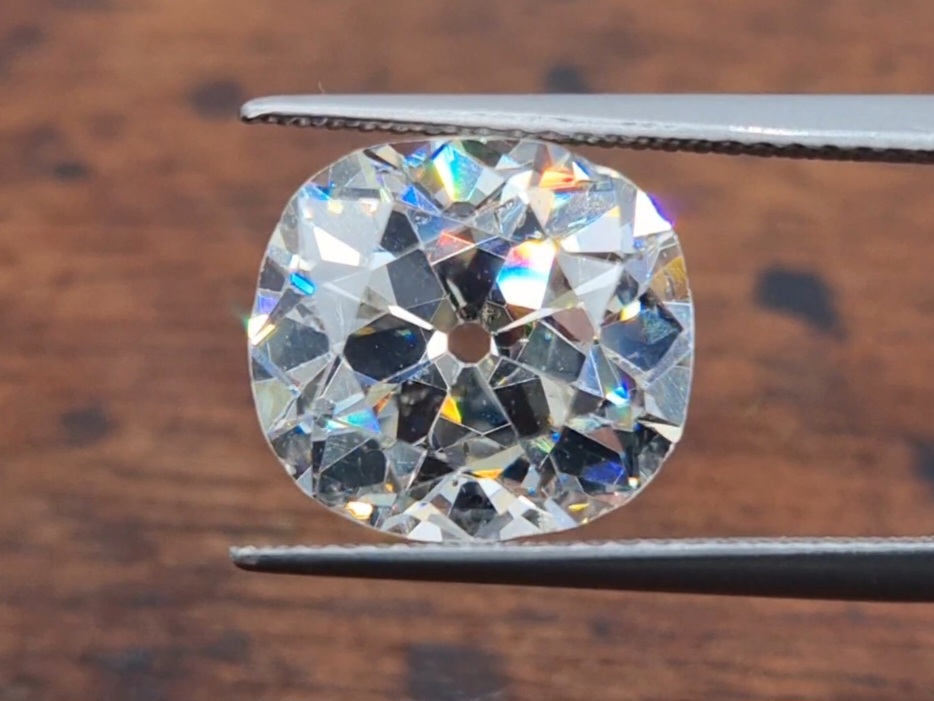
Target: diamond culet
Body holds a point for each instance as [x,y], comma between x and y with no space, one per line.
[471,339]
[470,343]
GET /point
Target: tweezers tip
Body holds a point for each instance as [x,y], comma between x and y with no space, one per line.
[245,557]
[248,111]
[257,109]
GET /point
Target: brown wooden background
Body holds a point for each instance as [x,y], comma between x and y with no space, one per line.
[133,213]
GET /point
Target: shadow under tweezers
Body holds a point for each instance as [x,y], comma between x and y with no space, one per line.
[853,569]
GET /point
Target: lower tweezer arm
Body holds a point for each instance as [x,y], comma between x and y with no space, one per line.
[869,569]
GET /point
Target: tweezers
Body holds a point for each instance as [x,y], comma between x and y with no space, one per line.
[879,128]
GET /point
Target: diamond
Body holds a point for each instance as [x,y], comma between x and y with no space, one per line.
[471,339]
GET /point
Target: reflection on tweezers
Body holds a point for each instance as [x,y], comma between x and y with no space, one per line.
[868,569]
[884,128]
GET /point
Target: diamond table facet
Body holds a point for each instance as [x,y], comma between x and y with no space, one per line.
[471,339]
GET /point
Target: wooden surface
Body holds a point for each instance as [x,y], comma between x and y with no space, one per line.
[133,213]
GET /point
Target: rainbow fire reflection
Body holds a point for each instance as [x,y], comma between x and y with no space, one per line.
[523,279]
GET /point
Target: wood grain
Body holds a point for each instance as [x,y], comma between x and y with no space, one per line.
[133,213]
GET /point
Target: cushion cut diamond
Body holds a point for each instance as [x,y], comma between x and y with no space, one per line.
[471,338]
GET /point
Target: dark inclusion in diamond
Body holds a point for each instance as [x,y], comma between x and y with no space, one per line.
[463,339]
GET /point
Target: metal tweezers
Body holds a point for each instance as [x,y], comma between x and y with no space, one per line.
[884,128]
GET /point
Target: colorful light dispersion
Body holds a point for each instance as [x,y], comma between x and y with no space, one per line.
[258,328]
[648,218]
[619,396]
[557,178]
[523,279]
[302,284]
[360,510]
[364,419]
[471,339]
[450,411]
[631,310]
[456,172]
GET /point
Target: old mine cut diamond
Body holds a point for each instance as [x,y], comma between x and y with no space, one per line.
[471,338]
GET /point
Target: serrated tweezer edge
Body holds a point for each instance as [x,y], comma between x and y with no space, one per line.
[856,569]
[880,128]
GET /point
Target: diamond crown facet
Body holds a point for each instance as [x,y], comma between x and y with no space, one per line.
[471,338]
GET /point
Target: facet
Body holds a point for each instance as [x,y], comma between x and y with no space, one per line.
[471,339]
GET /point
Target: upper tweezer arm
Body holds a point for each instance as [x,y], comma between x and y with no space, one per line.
[884,128]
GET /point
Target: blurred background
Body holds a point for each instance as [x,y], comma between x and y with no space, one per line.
[134,210]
